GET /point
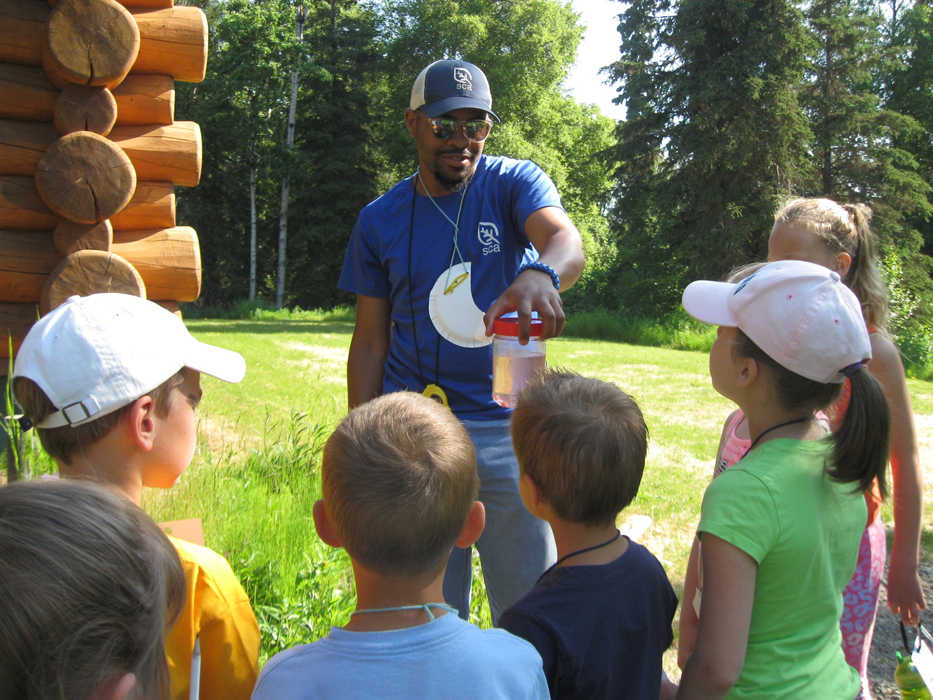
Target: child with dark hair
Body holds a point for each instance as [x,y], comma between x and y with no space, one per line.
[601,616]
[399,487]
[87,584]
[780,529]
[112,382]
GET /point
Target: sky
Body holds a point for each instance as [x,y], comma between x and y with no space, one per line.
[600,47]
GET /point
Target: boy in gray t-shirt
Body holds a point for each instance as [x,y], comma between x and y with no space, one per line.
[399,492]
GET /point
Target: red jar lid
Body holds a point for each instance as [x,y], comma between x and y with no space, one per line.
[508,325]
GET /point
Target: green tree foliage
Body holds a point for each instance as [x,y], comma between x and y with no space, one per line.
[357,63]
[908,90]
[713,138]
[865,147]
[240,107]
[336,136]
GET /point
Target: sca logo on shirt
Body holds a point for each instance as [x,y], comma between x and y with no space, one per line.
[488,234]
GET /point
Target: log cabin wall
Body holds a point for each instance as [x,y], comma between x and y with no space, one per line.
[90,153]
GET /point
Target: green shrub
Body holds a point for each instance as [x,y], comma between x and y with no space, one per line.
[677,332]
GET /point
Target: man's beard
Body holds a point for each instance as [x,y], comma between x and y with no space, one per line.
[455,184]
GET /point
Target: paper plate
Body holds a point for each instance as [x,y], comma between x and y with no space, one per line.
[453,311]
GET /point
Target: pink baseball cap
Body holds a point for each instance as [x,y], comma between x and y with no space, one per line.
[800,314]
[93,355]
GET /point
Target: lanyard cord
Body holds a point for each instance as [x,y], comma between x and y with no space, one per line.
[397,608]
[774,427]
[580,551]
[455,250]
[455,224]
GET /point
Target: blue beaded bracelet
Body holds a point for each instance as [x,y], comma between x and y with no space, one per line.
[546,269]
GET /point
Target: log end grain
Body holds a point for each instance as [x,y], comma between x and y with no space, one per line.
[92,42]
[85,108]
[90,272]
[69,237]
[85,177]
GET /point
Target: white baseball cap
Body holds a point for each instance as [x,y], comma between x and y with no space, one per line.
[800,314]
[93,355]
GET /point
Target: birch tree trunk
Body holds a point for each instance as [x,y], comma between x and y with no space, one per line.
[252,233]
[289,144]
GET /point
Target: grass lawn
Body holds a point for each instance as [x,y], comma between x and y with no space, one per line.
[254,478]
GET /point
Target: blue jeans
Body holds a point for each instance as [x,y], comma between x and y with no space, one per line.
[515,547]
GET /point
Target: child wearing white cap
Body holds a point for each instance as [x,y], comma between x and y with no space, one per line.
[780,530]
[111,382]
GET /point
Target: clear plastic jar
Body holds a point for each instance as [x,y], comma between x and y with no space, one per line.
[513,364]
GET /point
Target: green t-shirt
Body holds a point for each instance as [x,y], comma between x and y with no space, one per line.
[803,529]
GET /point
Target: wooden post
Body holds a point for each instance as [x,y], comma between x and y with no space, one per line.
[171,153]
[21,208]
[27,94]
[172,40]
[168,260]
[152,207]
[145,99]
[23,29]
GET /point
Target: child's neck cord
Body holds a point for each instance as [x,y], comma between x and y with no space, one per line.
[806,419]
[398,608]
[580,551]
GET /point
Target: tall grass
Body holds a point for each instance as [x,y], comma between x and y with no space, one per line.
[299,586]
[256,474]
[257,512]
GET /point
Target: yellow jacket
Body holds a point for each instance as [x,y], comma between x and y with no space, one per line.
[218,611]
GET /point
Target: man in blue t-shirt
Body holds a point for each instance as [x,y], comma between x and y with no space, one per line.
[465,233]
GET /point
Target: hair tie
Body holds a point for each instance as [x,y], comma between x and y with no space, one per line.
[853,368]
[24,423]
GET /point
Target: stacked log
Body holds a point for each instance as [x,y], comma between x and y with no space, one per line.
[90,153]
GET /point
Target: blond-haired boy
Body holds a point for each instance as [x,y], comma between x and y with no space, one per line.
[399,492]
[601,616]
[111,382]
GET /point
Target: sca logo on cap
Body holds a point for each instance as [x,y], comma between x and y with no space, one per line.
[463,78]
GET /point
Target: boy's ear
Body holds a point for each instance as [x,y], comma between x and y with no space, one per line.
[140,422]
[473,526]
[324,526]
[530,492]
[116,689]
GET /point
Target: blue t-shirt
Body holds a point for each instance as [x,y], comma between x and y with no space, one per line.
[401,226]
[447,658]
[600,630]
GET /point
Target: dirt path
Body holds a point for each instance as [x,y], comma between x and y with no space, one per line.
[887,640]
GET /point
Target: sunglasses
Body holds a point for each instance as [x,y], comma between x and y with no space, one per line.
[474,129]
